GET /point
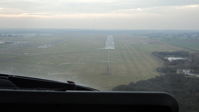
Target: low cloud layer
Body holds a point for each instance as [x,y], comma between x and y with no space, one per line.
[100,14]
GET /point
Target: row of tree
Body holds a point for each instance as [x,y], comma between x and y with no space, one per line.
[184,88]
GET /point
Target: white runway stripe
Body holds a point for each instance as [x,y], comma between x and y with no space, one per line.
[109,44]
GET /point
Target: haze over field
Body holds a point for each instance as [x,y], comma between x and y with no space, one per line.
[100,59]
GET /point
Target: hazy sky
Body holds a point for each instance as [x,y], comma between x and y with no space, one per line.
[100,14]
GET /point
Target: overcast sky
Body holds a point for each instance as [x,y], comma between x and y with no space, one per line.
[100,14]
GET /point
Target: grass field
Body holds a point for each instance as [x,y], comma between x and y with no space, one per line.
[189,40]
[81,58]
[191,44]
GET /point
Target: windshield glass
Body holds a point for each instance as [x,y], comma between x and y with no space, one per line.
[119,45]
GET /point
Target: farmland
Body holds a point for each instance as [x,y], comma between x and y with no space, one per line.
[185,39]
[81,56]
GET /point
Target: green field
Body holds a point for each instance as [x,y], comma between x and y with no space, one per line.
[189,40]
[190,44]
[81,58]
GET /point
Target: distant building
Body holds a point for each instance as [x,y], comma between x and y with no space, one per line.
[171,59]
[184,71]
